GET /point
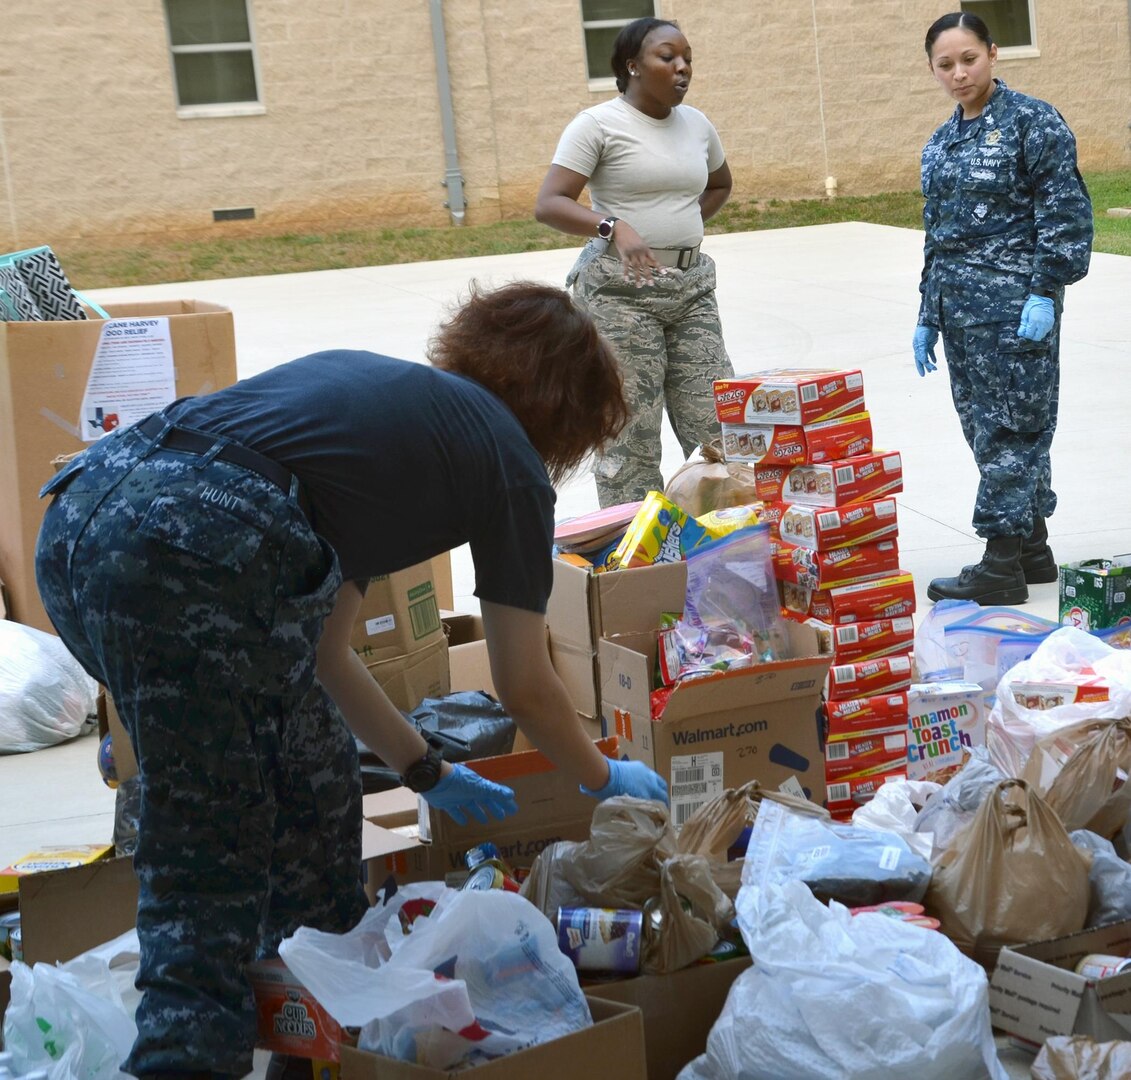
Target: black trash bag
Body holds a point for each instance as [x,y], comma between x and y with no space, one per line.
[468,724]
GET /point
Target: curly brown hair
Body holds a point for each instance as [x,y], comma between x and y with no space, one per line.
[530,345]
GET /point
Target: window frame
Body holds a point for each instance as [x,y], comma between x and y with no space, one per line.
[1017,52]
[219,108]
[602,83]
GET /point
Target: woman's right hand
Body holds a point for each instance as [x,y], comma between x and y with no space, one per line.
[638,264]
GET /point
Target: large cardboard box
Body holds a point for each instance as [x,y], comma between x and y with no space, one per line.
[760,723]
[612,1049]
[1096,594]
[1035,992]
[585,607]
[679,1010]
[44,367]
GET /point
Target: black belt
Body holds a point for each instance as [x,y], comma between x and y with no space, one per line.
[197,442]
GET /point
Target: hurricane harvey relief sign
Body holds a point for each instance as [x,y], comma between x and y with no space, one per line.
[130,377]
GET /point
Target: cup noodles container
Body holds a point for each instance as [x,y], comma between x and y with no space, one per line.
[872,638]
[879,714]
[854,479]
[885,675]
[289,1019]
[855,755]
[848,793]
[945,721]
[828,569]
[826,440]
[822,528]
[789,396]
[882,598]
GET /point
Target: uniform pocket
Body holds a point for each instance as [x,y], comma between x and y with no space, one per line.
[1027,372]
[217,524]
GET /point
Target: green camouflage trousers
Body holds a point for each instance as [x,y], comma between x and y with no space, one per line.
[670,345]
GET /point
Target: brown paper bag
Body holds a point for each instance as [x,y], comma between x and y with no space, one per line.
[1078,1057]
[714,827]
[991,887]
[1081,773]
[707,482]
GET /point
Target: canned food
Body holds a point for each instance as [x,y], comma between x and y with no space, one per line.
[474,856]
[16,943]
[601,939]
[9,921]
[1103,966]
[484,878]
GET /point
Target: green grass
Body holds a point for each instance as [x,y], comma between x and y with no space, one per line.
[99,265]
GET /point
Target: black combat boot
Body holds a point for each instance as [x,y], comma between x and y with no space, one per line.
[997,579]
[1037,560]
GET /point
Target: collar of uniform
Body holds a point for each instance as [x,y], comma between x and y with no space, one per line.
[987,113]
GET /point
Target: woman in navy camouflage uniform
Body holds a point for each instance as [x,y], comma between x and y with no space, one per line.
[1008,225]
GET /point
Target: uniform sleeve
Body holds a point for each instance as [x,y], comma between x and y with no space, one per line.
[513,550]
[927,316]
[580,145]
[1062,209]
[716,156]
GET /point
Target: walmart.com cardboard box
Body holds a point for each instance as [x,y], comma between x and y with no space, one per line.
[759,723]
[44,367]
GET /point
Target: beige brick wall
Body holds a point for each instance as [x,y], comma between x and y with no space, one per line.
[351,132]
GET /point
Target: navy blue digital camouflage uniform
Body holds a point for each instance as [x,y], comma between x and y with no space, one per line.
[1007,214]
[195,590]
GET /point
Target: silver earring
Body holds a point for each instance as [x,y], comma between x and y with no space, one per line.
[634,73]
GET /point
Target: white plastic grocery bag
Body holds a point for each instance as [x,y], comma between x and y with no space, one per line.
[480,977]
[832,996]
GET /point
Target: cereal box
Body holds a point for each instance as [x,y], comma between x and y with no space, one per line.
[826,528]
[883,598]
[885,675]
[840,437]
[789,396]
[855,479]
[945,720]
[828,569]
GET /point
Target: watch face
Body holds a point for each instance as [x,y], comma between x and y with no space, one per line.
[423,775]
[605,228]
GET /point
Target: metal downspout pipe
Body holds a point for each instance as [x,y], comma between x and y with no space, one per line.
[453,180]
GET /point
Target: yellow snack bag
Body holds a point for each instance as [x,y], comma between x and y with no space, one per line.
[655,535]
[717,523]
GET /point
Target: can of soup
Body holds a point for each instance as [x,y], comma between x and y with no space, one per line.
[1102,966]
[601,939]
[484,878]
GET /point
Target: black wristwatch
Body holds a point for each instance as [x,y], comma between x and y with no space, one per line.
[424,775]
[605,228]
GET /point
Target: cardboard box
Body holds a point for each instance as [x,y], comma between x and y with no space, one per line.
[886,675]
[789,396]
[679,1010]
[853,642]
[584,607]
[831,569]
[44,367]
[1035,992]
[50,858]
[411,677]
[879,714]
[1096,593]
[852,755]
[796,443]
[400,612]
[884,598]
[856,479]
[757,723]
[612,1049]
[848,793]
[822,528]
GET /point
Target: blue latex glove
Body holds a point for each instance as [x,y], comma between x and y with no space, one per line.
[631,778]
[923,345]
[1037,318]
[464,792]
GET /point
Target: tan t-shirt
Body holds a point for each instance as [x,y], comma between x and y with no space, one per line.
[648,172]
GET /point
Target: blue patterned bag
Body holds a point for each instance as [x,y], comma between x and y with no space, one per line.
[33,288]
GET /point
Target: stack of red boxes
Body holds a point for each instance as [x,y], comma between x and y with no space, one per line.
[828,499]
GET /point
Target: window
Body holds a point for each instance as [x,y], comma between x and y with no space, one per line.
[1010,22]
[213,56]
[601,21]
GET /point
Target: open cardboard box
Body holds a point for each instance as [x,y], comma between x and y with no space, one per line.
[679,1009]
[1035,992]
[612,1049]
[759,723]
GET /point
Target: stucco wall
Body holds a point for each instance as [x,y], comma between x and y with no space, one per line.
[351,131]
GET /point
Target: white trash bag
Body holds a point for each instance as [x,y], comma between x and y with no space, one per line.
[75,1019]
[45,696]
[832,996]
[480,977]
